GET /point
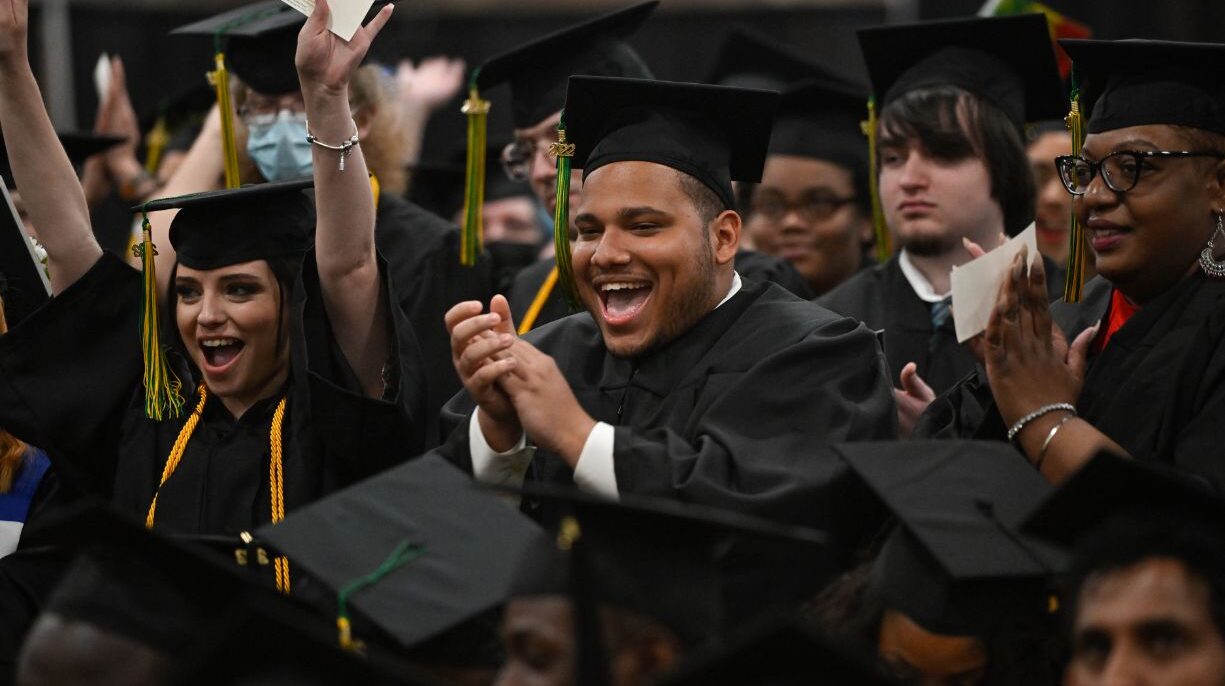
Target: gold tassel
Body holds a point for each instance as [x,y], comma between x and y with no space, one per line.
[162,388]
[884,243]
[155,145]
[563,151]
[220,80]
[472,235]
[1078,252]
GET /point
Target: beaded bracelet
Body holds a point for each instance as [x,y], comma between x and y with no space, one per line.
[344,148]
[1045,409]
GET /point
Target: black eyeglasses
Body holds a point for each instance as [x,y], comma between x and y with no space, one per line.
[517,157]
[1120,170]
[812,207]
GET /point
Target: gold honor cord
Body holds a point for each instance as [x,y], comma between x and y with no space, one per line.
[220,80]
[276,473]
[163,399]
[472,234]
[1078,251]
[542,296]
[563,151]
[884,242]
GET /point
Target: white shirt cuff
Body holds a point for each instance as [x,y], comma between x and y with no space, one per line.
[502,469]
[595,472]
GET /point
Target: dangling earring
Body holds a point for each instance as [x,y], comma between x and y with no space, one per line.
[1213,268]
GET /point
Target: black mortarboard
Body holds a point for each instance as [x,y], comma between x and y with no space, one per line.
[220,228]
[822,119]
[955,563]
[180,106]
[1137,82]
[779,652]
[537,71]
[715,134]
[416,550]
[261,42]
[658,557]
[1109,485]
[1008,61]
[749,59]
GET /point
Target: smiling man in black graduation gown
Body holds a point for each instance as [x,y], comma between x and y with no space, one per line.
[681,379]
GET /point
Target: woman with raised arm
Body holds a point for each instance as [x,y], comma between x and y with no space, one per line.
[294,375]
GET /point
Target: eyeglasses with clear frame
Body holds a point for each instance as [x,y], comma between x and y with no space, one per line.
[1120,169]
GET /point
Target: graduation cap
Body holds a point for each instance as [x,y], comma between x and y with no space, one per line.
[1138,82]
[955,564]
[822,119]
[170,113]
[656,557]
[785,651]
[1109,485]
[751,59]
[1007,61]
[78,145]
[716,134]
[537,73]
[537,70]
[232,226]
[414,551]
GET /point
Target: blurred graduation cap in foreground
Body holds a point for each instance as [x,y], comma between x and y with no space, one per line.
[410,553]
[955,563]
[1109,486]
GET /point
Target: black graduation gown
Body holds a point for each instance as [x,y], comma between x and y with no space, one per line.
[1157,389]
[883,299]
[758,266]
[70,382]
[422,253]
[733,413]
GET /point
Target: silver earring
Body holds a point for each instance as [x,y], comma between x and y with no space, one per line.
[1213,268]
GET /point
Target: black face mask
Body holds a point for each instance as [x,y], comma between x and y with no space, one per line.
[509,258]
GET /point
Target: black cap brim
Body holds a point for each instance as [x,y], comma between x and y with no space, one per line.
[249,20]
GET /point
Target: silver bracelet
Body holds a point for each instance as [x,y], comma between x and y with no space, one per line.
[1045,409]
[344,148]
[1050,437]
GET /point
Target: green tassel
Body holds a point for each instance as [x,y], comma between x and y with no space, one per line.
[884,242]
[473,229]
[1078,252]
[563,151]
[163,397]
[404,553]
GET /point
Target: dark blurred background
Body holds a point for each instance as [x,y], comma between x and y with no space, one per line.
[678,42]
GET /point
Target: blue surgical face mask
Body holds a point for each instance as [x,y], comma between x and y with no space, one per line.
[280,149]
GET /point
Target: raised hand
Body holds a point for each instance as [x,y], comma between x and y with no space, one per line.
[324,60]
[14,30]
[431,83]
[544,402]
[913,398]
